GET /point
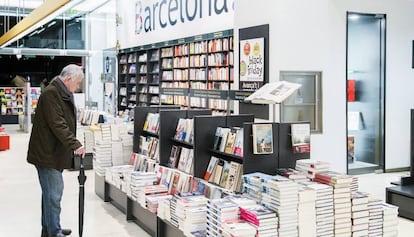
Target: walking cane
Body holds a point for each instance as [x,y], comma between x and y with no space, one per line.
[81,179]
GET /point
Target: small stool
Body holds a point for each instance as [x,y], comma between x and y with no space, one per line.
[4,142]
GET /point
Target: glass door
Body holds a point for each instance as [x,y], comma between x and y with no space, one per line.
[365,92]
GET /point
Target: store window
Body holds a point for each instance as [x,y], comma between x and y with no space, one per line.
[306,103]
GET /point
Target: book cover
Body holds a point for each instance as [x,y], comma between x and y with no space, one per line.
[262,138]
[224,134]
[217,138]
[300,137]
[224,174]
[210,168]
[218,171]
[238,144]
[174,156]
[232,179]
[180,130]
[231,138]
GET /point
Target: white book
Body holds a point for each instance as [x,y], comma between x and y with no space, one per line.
[273,93]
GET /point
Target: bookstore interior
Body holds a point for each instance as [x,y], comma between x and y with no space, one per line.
[223,130]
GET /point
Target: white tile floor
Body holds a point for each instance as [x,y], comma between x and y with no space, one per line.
[20,198]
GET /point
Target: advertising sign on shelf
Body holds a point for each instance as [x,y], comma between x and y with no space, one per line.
[251,63]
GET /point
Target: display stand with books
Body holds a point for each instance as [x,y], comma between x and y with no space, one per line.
[135,212]
[169,120]
[402,194]
[282,155]
[204,134]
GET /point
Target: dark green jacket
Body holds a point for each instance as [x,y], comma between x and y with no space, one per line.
[53,137]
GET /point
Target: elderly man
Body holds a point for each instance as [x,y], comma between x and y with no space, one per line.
[53,143]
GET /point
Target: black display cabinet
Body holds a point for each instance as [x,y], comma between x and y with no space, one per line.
[402,194]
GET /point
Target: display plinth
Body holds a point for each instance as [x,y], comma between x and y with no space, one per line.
[144,218]
[100,186]
[116,197]
[403,197]
[165,228]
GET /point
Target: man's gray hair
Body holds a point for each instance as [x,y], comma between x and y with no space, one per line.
[71,71]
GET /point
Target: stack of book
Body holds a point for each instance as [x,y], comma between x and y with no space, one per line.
[375,223]
[106,132]
[360,214]
[341,184]
[390,216]
[218,211]
[144,191]
[153,200]
[307,211]
[117,153]
[139,179]
[263,219]
[89,140]
[311,167]
[281,195]
[102,156]
[354,184]
[239,228]
[163,210]
[125,137]
[191,213]
[116,175]
[324,208]
[253,184]
[298,176]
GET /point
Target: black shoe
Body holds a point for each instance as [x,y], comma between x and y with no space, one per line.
[63,231]
[57,235]
[66,231]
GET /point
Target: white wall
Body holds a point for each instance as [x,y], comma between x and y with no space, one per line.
[311,35]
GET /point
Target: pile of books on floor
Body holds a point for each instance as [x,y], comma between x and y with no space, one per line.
[390,216]
[341,184]
[139,179]
[218,211]
[102,156]
[306,211]
[264,220]
[375,220]
[152,190]
[281,195]
[115,175]
[360,214]
[191,211]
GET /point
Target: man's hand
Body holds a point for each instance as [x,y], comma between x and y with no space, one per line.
[80,151]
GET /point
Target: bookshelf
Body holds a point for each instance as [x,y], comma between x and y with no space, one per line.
[12,102]
[144,218]
[127,80]
[194,72]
